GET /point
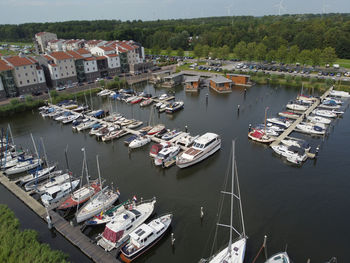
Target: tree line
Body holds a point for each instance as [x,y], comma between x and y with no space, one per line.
[307,32]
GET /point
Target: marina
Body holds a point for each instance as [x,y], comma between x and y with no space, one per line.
[184,191]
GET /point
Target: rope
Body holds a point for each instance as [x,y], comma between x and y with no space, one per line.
[256,257]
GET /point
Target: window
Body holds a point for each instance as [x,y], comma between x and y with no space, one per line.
[19,75]
[93,68]
[72,72]
[17,68]
[27,80]
[41,79]
[31,66]
[20,82]
[55,69]
[33,73]
[56,76]
[34,80]
[88,69]
[66,67]
[71,66]
[61,74]
[24,67]
[60,68]
[26,74]
[67,73]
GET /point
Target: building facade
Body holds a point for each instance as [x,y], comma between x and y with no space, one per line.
[42,39]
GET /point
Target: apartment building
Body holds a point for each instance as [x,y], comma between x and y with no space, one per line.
[102,51]
[90,69]
[7,83]
[41,40]
[28,75]
[73,44]
[55,45]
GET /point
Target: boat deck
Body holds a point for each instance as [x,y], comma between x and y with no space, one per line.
[292,127]
[71,233]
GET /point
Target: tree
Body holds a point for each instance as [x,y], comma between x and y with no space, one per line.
[251,48]
[281,54]
[304,57]
[180,52]
[315,57]
[225,51]
[240,50]
[271,55]
[197,51]
[260,52]
[168,51]
[293,54]
[328,55]
[205,51]
[214,52]
[102,83]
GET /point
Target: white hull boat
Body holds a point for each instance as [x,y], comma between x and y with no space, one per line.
[338,93]
[318,119]
[296,142]
[56,193]
[260,136]
[23,167]
[166,155]
[53,181]
[139,142]
[202,148]
[134,125]
[30,185]
[296,107]
[281,257]
[291,152]
[122,224]
[281,122]
[86,125]
[71,118]
[310,129]
[100,202]
[170,135]
[27,178]
[325,113]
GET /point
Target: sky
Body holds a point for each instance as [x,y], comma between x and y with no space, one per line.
[23,11]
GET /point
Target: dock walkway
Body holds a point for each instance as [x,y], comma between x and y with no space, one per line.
[292,127]
[71,233]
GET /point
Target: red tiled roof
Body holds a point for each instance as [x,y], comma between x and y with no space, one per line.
[90,58]
[47,57]
[54,41]
[32,59]
[101,57]
[112,55]
[40,33]
[4,66]
[106,48]
[17,61]
[82,51]
[53,65]
[60,55]
[75,55]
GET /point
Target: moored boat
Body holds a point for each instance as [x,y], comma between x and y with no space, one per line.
[260,136]
[174,107]
[325,113]
[289,115]
[156,129]
[318,119]
[281,257]
[166,154]
[139,142]
[56,193]
[296,107]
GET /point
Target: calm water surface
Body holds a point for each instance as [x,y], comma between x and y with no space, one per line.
[306,208]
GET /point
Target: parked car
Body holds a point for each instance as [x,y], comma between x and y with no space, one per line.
[60,88]
[37,93]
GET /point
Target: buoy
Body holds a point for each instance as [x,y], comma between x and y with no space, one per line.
[186,128]
[202,213]
[317,150]
[172,239]
[238,108]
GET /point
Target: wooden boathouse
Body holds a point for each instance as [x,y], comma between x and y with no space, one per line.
[239,80]
[220,84]
[192,83]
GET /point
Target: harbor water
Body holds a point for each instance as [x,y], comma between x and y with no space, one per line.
[303,207]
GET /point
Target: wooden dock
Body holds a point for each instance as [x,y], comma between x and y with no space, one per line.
[71,233]
[292,127]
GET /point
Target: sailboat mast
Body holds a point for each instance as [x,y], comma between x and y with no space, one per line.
[232,189]
[265,118]
[13,142]
[98,169]
[240,202]
[36,151]
[42,143]
[86,167]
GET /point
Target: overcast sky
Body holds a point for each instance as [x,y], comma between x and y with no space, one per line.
[21,11]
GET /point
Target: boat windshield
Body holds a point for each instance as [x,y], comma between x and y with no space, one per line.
[198,145]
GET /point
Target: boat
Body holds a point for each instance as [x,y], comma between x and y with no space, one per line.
[136,100]
[289,141]
[296,107]
[270,126]
[127,122]
[104,92]
[260,136]
[202,148]
[112,118]
[52,181]
[156,129]
[170,135]
[163,97]
[99,202]
[158,104]
[145,129]
[310,129]
[161,133]
[318,119]
[23,167]
[186,139]
[63,116]
[234,252]
[114,135]
[325,113]
[130,139]
[156,148]
[105,131]
[163,107]
[86,125]
[135,124]
[70,118]
[14,161]
[121,224]
[329,104]
[130,99]
[283,122]
[295,153]
[146,102]
[144,237]
[108,215]
[96,128]
[36,175]
[166,154]
[56,193]
[81,108]
[333,100]
[281,257]
[139,142]
[289,115]
[306,98]
[31,184]
[339,93]
[174,107]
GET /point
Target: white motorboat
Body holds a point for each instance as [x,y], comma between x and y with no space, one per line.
[291,153]
[23,167]
[281,257]
[163,96]
[201,149]
[119,226]
[38,174]
[114,135]
[157,105]
[144,237]
[289,115]
[56,193]
[105,131]
[310,129]
[170,135]
[146,102]
[234,252]
[296,107]
[104,92]
[81,108]
[305,98]
[86,125]
[163,107]
[329,106]
[174,107]
[166,154]
[70,118]
[139,142]
[186,139]
[325,113]
[156,129]
[130,99]
[134,125]
[98,203]
[280,121]
[156,148]
[53,181]
[333,100]
[289,141]
[112,118]
[96,128]
[339,93]
[318,119]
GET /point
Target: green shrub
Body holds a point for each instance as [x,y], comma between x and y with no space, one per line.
[14,101]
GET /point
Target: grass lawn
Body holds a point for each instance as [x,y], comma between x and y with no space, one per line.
[343,63]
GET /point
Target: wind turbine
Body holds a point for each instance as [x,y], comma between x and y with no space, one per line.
[280,7]
[229,9]
[324,7]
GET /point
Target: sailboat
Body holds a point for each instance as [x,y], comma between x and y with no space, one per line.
[235,250]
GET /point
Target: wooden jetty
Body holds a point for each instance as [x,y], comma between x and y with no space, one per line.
[71,233]
[292,127]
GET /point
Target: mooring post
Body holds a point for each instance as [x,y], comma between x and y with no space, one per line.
[202,212]
[186,128]
[48,218]
[265,247]
[238,108]
[172,239]
[250,127]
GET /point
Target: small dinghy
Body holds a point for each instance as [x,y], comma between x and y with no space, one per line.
[260,136]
